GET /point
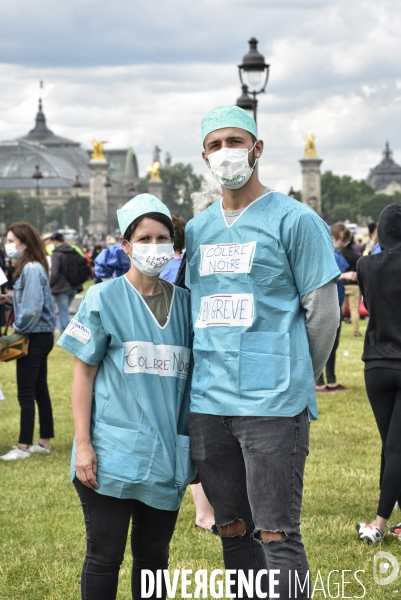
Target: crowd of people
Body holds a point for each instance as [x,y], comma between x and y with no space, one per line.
[197,357]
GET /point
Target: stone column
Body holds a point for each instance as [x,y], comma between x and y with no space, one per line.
[155,187]
[98,170]
[311,183]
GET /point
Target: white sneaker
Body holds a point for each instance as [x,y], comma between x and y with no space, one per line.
[16,453]
[368,533]
[38,448]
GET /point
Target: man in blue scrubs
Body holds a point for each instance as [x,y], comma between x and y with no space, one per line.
[261,270]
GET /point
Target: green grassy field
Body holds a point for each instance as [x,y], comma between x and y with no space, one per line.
[42,537]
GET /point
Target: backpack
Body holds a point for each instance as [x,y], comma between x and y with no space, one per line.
[77,269]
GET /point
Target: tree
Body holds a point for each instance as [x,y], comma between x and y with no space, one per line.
[69,215]
[17,208]
[341,212]
[179,182]
[343,191]
[372,207]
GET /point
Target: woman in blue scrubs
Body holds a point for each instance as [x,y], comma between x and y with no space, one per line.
[131,462]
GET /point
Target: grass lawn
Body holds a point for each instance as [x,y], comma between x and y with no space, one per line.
[42,536]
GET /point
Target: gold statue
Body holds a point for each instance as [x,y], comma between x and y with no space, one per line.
[98,153]
[310,148]
[154,170]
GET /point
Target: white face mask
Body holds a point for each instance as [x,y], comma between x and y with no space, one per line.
[230,166]
[150,259]
[11,250]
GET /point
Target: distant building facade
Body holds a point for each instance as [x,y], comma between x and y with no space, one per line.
[386,176]
[60,161]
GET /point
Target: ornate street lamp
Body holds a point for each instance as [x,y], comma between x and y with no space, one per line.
[37,176]
[77,186]
[131,189]
[246,102]
[3,223]
[107,185]
[253,73]
[25,207]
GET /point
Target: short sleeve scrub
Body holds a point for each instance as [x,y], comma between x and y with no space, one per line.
[141,392]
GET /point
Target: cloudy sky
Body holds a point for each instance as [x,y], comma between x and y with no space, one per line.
[143,73]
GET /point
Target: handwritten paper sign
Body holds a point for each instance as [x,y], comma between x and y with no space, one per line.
[3,278]
[222,310]
[78,331]
[226,258]
[166,361]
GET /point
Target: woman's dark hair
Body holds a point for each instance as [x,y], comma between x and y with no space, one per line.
[34,251]
[156,216]
[179,232]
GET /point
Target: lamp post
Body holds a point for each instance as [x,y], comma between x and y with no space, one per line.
[131,189]
[63,213]
[3,223]
[246,102]
[37,176]
[25,207]
[253,74]
[77,186]
[107,185]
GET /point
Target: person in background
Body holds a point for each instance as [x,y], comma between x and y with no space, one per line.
[372,239]
[131,460]
[34,315]
[341,236]
[351,288]
[379,278]
[169,273]
[88,258]
[111,261]
[359,246]
[47,243]
[375,243]
[63,291]
[96,251]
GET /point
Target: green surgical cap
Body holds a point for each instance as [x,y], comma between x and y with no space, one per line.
[138,206]
[227,116]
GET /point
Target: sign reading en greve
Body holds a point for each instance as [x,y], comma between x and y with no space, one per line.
[222,310]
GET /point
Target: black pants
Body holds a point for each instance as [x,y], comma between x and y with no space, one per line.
[32,384]
[107,522]
[383,387]
[331,362]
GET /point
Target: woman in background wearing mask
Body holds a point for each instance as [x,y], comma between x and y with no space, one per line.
[34,314]
[131,338]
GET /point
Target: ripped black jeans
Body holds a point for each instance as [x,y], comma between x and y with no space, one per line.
[251,469]
[107,521]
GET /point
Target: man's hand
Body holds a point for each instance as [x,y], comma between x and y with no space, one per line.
[86,465]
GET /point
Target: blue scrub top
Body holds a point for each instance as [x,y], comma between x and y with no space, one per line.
[251,348]
[170,271]
[141,392]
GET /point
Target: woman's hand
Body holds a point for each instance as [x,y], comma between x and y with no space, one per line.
[82,394]
[86,465]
